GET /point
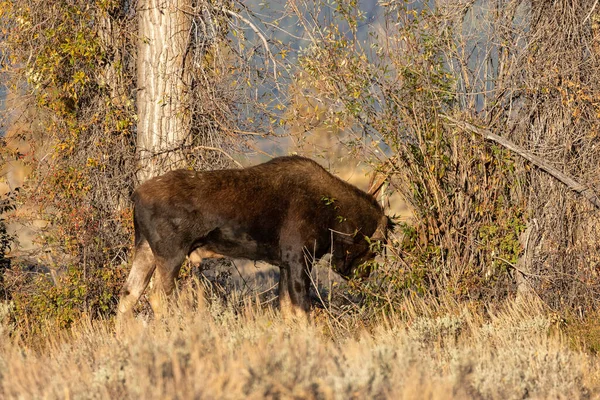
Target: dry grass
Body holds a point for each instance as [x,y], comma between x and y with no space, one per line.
[209,350]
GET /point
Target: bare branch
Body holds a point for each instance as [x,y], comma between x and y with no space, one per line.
[259,34]
[219,151]
[591,12]
[542,164]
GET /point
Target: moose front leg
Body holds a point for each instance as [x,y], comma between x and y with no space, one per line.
[299,288]
[294,284]
[285,303]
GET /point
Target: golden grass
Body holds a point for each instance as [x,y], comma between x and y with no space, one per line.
[208,350]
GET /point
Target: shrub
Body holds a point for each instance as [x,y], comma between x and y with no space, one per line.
[7,204]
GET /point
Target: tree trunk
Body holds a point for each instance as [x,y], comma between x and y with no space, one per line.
[163,85]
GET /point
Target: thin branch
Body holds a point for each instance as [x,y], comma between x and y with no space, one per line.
[591,11]
[249,133]
[513,266]
[240,274]
[217,150]
[260,35]
[571,183]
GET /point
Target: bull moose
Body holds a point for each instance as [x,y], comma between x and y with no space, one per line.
[273,212]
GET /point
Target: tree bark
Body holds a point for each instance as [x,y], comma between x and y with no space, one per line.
[163,85]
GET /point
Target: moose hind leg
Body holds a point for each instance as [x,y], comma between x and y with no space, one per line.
[139,276]
[167,269]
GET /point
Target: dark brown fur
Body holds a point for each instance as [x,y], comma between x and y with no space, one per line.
[272,212]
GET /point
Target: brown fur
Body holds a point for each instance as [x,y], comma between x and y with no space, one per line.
[272,212]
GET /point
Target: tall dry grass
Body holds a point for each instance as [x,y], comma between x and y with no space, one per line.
[206,349]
